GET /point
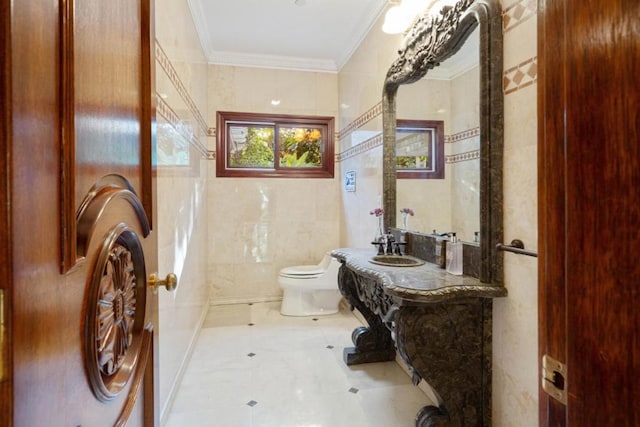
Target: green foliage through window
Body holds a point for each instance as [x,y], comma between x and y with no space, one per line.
[264,145]
[253,147]
[300,147]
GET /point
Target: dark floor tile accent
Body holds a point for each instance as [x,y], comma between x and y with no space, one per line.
[353,390]
[251,324]
[252,403]
[315,319]
[329,347]
[251,354]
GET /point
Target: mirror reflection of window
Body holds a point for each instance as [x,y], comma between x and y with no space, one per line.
[172,144]
[420,149]
[414,149]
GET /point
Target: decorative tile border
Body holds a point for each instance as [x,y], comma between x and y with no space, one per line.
[371,114]
[461,136]
[515,78]
[518,13]
[167,112]
[462,157]
[169,69]
[520,76]
[172,118]
[364,146]
[376,141]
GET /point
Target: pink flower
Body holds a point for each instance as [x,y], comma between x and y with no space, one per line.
[377,212]
[406,211]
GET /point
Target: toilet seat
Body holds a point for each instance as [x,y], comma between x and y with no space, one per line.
[302,271]
[300,276]
[310,290]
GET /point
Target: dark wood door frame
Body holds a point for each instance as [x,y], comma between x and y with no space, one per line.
[589,208]
[6,398]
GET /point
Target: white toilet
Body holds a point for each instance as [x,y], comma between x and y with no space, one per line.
[310,290]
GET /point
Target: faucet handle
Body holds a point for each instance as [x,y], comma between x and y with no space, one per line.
[397,249]
[380,246]
[390,240]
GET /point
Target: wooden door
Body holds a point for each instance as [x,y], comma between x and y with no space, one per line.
[589,195]
[78,239]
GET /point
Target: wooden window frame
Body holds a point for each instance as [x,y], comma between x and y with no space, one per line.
[326,170]
[437,127]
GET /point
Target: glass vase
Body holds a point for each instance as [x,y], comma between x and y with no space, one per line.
[379,236]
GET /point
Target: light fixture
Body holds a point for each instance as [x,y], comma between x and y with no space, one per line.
[275,102]
[396,20]
[399,17]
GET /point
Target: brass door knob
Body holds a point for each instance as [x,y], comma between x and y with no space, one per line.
[170,282]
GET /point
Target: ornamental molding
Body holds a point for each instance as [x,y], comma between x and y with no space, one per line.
[115,313]
[430,41]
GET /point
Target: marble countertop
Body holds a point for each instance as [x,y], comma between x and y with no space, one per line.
[425,283]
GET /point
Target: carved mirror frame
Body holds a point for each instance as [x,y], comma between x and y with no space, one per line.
[430,41]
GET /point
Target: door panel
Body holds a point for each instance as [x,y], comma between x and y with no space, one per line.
[106,71]
[589,197]
[81,198]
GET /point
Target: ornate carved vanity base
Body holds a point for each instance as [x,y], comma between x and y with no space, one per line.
[364,339]
[373,343]
[439,324]
[449,345]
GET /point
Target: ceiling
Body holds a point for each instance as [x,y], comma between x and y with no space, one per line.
[315,35]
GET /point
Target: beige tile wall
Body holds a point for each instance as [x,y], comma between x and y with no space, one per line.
[515,328]
[360,90]
[259,225]
[463,159]
[181,80]
[431,200]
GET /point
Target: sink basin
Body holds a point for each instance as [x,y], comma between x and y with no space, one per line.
[396,260]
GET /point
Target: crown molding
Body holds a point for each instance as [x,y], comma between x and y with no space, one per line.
[272,61]
[361,33]
[366,22]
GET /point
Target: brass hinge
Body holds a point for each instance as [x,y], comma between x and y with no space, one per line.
[3,341]
[554,378]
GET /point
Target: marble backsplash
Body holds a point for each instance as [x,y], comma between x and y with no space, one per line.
[425,247]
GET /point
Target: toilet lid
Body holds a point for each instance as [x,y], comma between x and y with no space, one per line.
[302,271]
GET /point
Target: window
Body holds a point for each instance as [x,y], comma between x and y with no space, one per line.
[420,149]
[264,145]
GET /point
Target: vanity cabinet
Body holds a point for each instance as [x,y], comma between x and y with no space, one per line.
[439,324]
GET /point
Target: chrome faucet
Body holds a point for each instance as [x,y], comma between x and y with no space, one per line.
[387,245]
[389,240]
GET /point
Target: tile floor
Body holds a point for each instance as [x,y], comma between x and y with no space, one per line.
[252,367]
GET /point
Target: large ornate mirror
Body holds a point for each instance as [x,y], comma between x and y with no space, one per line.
[449,69]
